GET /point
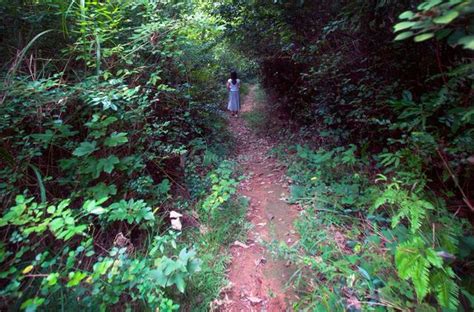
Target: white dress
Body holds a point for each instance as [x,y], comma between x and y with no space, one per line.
[234,96]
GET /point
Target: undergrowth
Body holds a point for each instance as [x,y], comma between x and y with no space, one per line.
[367,245]
[114,190]
[214,240]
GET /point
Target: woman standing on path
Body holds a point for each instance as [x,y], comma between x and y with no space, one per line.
[233,85]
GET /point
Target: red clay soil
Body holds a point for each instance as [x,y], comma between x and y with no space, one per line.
[258,280]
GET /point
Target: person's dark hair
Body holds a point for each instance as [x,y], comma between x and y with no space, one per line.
[233,76]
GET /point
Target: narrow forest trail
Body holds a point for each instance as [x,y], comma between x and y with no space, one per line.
[258,281]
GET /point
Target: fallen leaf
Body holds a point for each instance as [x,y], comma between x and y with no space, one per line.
[120,240]
[174,214]
[240,244]
[176,224]
[254,300]
[27,270]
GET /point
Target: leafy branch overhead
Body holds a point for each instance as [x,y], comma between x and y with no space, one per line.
[452,20]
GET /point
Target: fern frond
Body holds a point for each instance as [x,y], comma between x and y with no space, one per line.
[403,263]
[417,212]
[447,291]
[433,258]
[412,263]
[405,255]
[421,277]
[396,219]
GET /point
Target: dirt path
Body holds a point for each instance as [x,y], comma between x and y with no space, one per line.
[258,280]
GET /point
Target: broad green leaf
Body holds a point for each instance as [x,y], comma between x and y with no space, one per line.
[93,207]
[171,267]
[194,266]
[446,18]
[97,211]
[52,279]
[44,137]
[69,220]
[102,190]
[107,164]
[101,268]
[56,224]
[159,277]
[73,231]
[63,204]
[404,35]
[32,304]
[424,37]
[14,214]
[20,199]
[406,15]
[116,139]
[85,148]
[427,5]
[467,42]
[75,278]
[102,200]
[179,281]
[51,209]
[403,25]
[89,205]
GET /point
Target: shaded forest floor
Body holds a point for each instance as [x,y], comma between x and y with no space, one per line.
[258,281]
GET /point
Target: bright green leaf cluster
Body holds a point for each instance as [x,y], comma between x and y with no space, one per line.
[435,18]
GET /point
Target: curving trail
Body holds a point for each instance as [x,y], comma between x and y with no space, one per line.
[258,281]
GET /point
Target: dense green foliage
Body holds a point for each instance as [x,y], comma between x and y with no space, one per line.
[110,120]
[112,140]
[384,166]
